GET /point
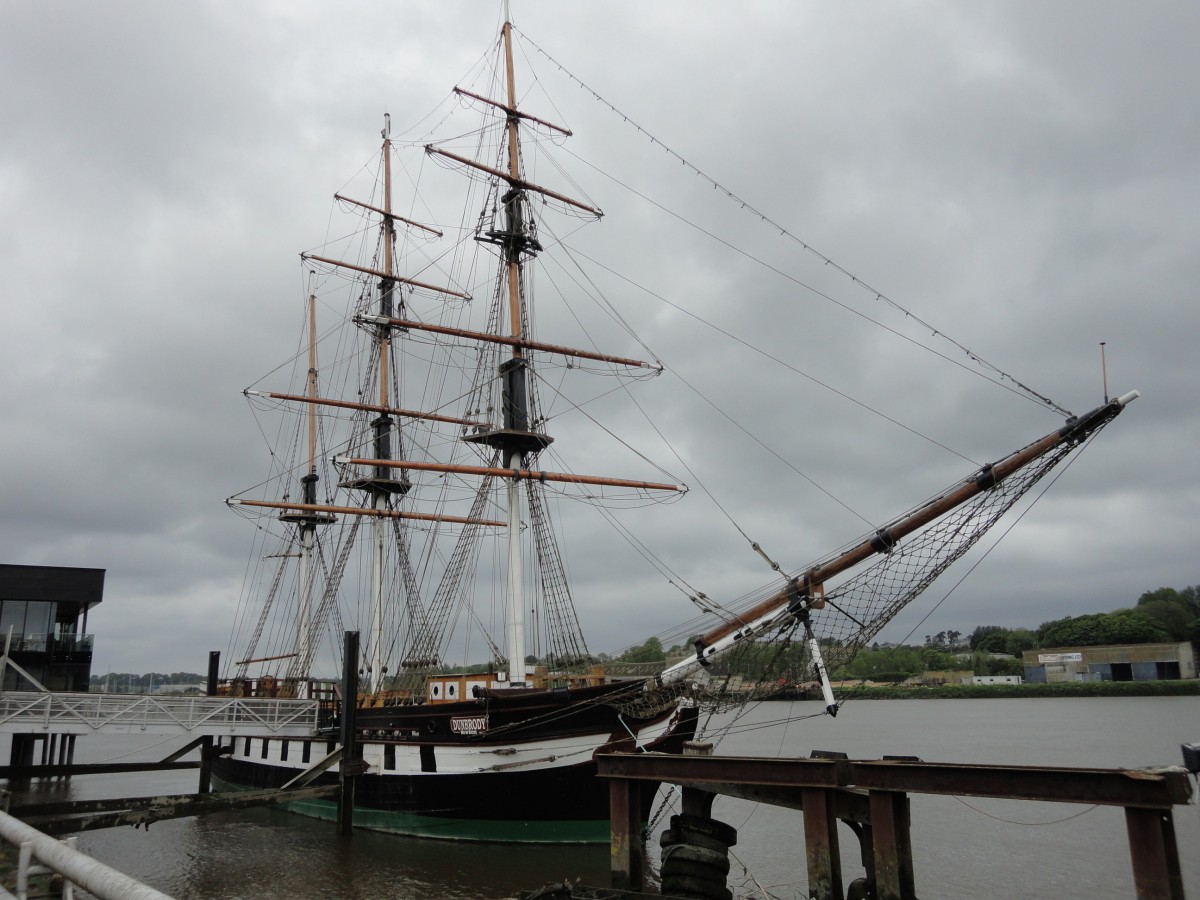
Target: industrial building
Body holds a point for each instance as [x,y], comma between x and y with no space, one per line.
[1123,662]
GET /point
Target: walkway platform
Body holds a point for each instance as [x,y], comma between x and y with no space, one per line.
[61,713]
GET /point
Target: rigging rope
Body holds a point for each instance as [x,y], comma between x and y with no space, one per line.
[784,232]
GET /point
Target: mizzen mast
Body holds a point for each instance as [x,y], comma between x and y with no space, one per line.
[308,517]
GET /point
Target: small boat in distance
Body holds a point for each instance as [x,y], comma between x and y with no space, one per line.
[413,487]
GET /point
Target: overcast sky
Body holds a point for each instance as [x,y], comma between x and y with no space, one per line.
[1020,175]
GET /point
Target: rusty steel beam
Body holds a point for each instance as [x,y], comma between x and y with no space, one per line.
[1153,788]
[1159,788]
[708,770]
[849,805]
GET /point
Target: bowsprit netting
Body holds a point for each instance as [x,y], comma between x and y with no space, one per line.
[772,649]
[858,609]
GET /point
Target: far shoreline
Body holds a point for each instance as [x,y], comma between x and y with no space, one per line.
[866,691]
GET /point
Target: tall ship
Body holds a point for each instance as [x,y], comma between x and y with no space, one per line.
[414,494]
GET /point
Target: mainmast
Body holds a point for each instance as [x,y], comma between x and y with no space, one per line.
[514,439]
[516,409]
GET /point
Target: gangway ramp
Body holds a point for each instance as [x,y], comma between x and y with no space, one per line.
[22,712]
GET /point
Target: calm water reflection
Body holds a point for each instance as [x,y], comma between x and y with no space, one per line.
[967,848]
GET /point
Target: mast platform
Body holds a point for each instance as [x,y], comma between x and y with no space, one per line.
[23,712]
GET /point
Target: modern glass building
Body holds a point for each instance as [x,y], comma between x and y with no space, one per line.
[43,623]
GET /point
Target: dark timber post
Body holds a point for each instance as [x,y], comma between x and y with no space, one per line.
[206,743]
[350,761]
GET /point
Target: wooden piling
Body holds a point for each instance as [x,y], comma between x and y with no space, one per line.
[351,761]
[206,743]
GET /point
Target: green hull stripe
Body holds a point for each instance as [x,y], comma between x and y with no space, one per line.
[499,830]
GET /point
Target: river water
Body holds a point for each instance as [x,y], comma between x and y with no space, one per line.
[962,848]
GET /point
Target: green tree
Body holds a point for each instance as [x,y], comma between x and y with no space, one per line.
[1018,641]
[1123,626]
[981,633]
[1176,611]
[651,651]
[1190,597]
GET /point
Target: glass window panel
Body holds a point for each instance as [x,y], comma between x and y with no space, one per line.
[38,617]
[12,615]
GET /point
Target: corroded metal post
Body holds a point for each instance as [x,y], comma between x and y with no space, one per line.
[626,845]
[821,845]
[893,846]
[1156,873]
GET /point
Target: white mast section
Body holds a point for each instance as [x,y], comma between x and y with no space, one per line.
[307,530]
[377,535]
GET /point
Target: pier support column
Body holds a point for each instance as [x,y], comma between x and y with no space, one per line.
[1155,856]
[626,843]
[21,754]
[893,846]
[821,845]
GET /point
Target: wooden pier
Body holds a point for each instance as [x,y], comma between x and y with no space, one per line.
[872,798]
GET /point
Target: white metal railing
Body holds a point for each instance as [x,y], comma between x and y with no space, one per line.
[77,868]
[22,712]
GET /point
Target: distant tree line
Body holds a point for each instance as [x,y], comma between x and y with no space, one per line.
[1163,615]
[1160,616]
[128,682]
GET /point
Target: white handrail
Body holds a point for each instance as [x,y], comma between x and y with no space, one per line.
[148,714]
[78,868]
